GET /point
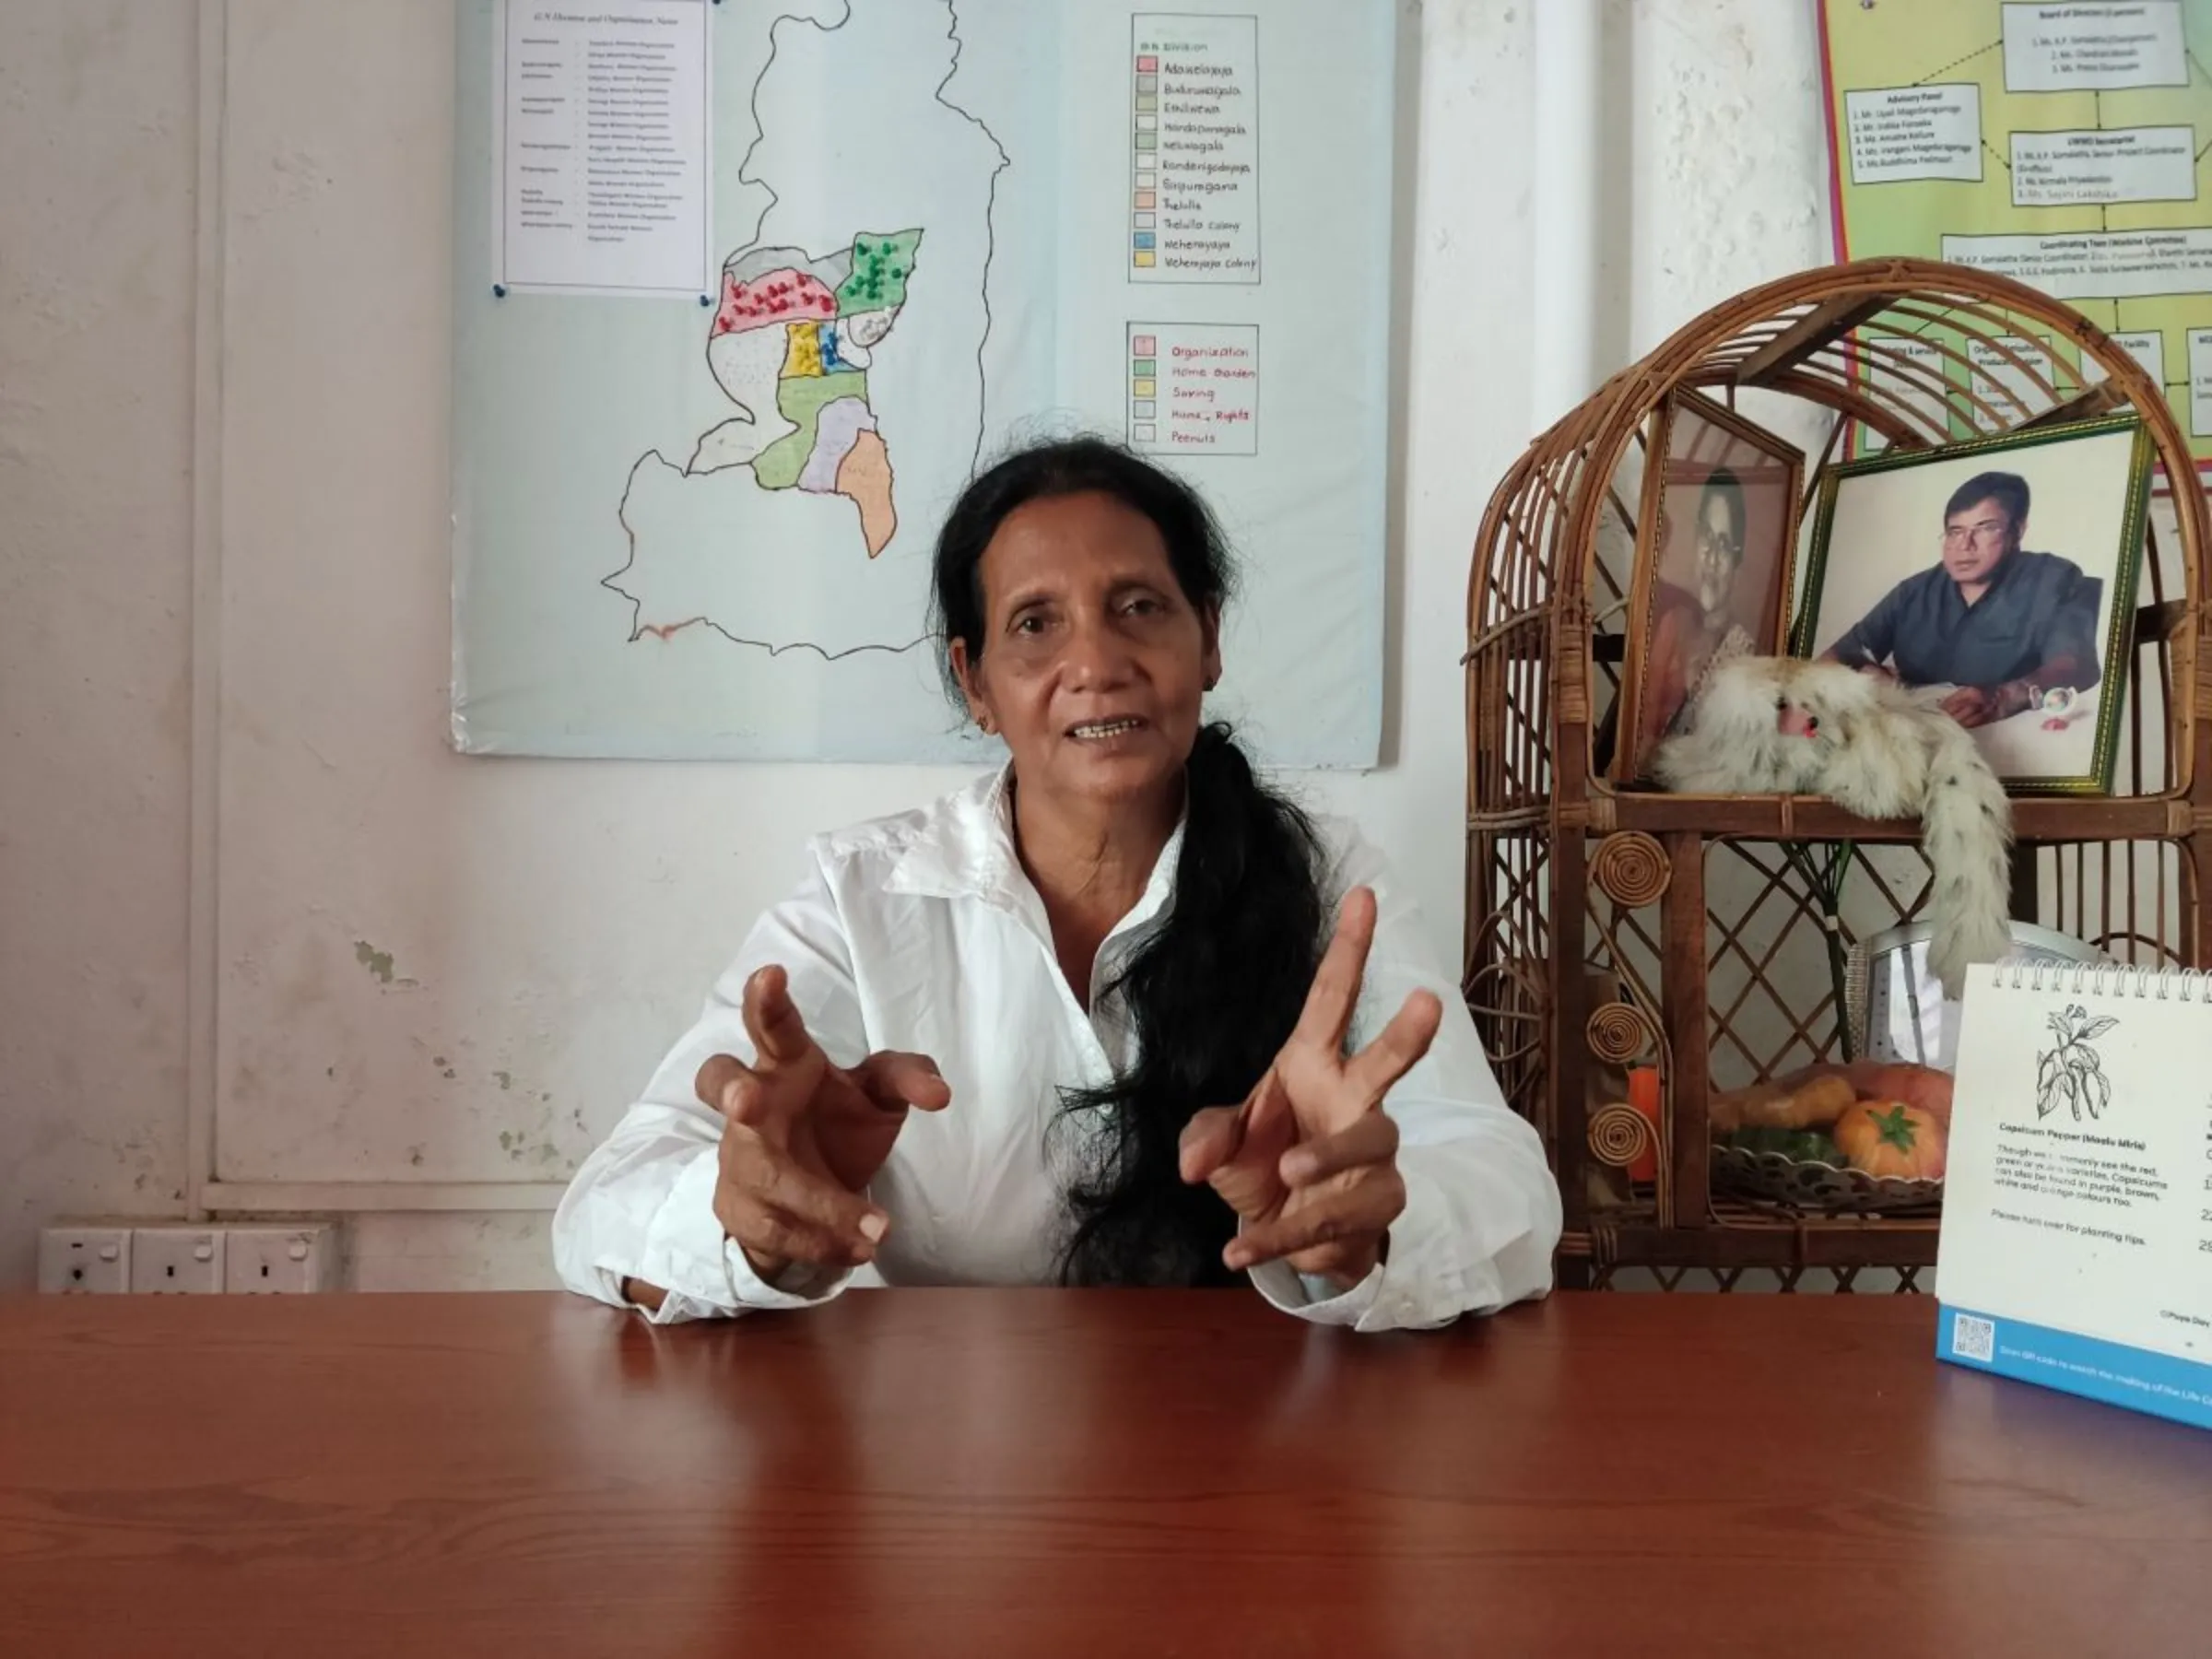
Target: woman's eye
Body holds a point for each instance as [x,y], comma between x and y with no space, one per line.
[1029,624]
[1142,606]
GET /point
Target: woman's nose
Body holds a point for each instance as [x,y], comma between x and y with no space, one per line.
[1097,655]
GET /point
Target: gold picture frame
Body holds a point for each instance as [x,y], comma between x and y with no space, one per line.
[1674,634]
[1879,530]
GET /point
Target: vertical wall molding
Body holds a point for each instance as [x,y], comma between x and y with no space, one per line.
[1569,150]
[202,954]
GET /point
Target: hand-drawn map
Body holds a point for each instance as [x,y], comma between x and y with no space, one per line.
[702,525]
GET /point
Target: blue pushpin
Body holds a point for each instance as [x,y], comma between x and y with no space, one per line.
[498,290]
[708,298]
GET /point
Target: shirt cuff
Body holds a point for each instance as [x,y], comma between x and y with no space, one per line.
[702,1269]
[1316,1299]
[1416,1286]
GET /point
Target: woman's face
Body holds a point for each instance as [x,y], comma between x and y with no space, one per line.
[1092,663]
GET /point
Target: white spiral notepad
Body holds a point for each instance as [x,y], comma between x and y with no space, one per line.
[2077,1243]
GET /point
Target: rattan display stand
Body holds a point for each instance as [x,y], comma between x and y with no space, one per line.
[1610,926]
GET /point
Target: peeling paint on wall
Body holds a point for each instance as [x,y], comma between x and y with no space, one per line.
[380,966]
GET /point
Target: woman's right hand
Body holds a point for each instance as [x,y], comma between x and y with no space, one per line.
[802,1138]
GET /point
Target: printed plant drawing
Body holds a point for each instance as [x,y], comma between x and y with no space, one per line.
[2072,1073]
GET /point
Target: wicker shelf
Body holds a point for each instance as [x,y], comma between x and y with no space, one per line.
[1609,927]
[1808,817]
[1814,1241]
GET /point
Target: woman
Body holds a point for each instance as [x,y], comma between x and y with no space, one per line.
[1077,1022]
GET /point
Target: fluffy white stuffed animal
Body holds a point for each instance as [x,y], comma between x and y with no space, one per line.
[1778,725]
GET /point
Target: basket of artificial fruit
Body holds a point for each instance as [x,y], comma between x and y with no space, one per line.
[1866,1136]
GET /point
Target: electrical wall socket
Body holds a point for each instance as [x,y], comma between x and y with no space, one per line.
[195,1258]
[279,1259]
[180,1259]
[85,1261]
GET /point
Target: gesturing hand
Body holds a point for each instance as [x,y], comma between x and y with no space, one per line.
[1309,1162]
[804,1138]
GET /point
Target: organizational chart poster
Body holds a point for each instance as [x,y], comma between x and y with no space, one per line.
[2062,145]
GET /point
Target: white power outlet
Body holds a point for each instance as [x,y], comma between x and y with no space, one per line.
[85,1261]
[279,1259]
[182,1260]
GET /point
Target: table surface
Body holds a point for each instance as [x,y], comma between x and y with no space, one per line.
[988,1472]
[2017,746]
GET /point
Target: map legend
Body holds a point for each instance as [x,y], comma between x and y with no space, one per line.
[1195,388]
[1143,196]
[1195,202]
[1144,373]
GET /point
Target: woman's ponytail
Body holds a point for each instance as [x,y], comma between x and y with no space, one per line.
[1213,997]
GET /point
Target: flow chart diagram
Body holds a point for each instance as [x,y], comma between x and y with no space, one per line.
[2062,145]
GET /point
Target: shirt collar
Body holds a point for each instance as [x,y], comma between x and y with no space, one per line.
[965,850]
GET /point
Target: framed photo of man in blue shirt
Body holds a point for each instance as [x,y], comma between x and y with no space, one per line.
[2000,574]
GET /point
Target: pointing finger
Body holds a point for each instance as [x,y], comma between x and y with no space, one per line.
[772,1019]
[1335,991]
[1396,1050]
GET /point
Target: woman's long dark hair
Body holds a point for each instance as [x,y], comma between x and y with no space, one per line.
[1214,991]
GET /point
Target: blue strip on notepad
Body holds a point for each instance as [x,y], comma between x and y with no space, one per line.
[2162,1384]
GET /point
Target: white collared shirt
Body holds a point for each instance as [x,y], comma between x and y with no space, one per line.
[923,933]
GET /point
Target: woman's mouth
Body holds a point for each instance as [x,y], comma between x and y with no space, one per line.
[1100,731]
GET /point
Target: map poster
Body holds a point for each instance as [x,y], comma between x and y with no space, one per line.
[696,520]
[2059,144]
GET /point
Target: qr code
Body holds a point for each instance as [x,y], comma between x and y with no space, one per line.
[1974,1338]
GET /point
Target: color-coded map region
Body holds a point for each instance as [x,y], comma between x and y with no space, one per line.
[790,346]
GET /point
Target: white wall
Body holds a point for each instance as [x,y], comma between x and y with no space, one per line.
[97,142]
[550,961]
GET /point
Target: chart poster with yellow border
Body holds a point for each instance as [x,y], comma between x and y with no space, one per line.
[2064,144]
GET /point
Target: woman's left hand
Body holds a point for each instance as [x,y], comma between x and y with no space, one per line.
[1309,1162]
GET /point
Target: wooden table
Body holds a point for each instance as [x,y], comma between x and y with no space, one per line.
[990,1473]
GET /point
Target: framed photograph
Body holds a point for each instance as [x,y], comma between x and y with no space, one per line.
[1716,543]
[2001,572]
